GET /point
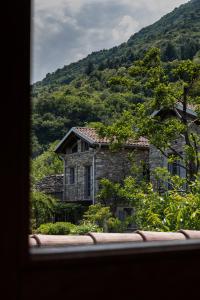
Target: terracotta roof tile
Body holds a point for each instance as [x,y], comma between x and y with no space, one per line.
[105,238]
[91,134]
[94,238]
[191,234]
[150,236]
[43,240]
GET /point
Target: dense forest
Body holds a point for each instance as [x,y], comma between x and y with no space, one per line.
[82,93]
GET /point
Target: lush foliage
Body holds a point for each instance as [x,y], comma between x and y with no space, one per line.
[42,208]
[108,87]
[164,94]
[43,205]
[66,228]
[169,211]
[102,216]
[58,228]
[69,212]
[47,163]
[85,228]
[79,93]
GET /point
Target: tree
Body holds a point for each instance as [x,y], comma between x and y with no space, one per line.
[42,208]
[47,163]
[90,68]
[170,52]
[42,205]
[163,95]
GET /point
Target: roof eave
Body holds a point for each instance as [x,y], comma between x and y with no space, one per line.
[78,134]
[126,145]
[177,107]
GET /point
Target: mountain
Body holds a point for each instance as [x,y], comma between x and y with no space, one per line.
[79,93]
[179,29]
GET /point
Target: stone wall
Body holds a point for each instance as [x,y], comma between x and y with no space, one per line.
[157,159]
[104,164]
[52,184]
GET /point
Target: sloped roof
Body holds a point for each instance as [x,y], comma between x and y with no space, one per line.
[91,133]
[91,136]
[51,184]
[179,106]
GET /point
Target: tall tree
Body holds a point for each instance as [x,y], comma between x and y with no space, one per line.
[163,95]
[170,52]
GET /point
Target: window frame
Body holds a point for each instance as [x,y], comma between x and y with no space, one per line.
[52,269]
[74,148]
[72,175]
[87,181]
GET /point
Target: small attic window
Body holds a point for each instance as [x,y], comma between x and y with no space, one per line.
[75,148]
[84,146]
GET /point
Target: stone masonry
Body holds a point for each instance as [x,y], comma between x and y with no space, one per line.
[104,164]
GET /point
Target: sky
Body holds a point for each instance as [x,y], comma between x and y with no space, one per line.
[65,31]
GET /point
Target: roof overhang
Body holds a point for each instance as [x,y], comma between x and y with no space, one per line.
[78,134]
[59,148]
[178,107]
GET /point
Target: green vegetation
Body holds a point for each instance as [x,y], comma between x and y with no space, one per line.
[65,228]
[172,210]
[48,163]
[165,92]
[118,90]
[58,228]
[80,93]
[42,208]
[97,218]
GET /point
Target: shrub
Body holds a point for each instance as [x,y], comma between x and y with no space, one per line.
[97,215]
[69,212]
[42,206]
[58,228]
[171,211]
[45,228]
[85,228]
[115,225]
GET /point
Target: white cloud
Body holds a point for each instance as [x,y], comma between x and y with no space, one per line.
[126,27]
[65,31]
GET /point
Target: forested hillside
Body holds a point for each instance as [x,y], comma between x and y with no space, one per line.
[81,92]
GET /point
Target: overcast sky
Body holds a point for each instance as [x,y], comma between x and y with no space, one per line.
[65,31]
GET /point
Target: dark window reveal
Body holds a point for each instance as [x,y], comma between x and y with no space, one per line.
[84,146]
[72,175]
[87,181]
[174,168]
[75,148]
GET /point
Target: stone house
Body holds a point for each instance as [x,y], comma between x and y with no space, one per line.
[87,159]
[157,159]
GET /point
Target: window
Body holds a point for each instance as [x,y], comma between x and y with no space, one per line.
[87,181]
[72,175]
[84,146]
[75,148]
[174,168]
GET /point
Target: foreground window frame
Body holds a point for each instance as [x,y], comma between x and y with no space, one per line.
[46,273]
[105,250]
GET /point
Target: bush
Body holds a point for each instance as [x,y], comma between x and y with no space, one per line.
[115,225]
[97,215]
[85,228]
[69,212]
[171,211]
[45,228]
[42,206]
[58,228]
[65,228]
